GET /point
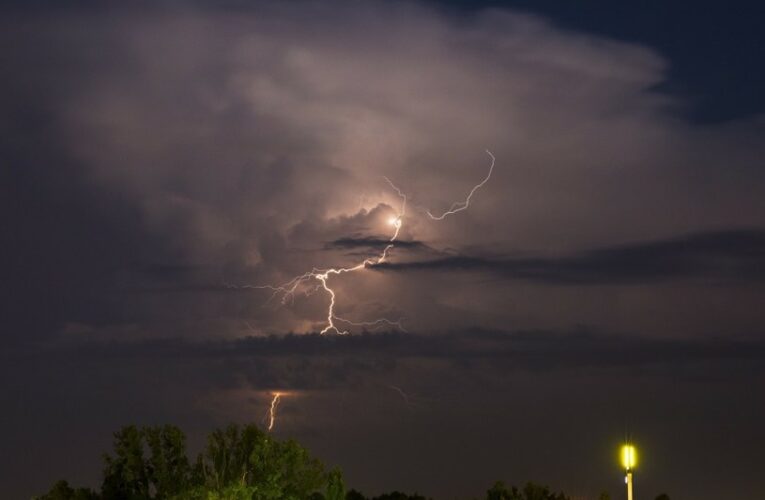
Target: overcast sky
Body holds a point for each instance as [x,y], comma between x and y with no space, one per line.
[159,163]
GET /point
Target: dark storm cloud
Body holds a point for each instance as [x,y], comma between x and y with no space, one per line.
[727,256]
[537,350]
[375,243]
[316,362]
[231,146]
[159,164]
[63,239]
[343,391]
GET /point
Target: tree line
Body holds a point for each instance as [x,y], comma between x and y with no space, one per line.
[238,463]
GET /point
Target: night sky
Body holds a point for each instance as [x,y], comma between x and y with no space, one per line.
[159,160]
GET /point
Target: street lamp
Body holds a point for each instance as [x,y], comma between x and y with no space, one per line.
[629,460]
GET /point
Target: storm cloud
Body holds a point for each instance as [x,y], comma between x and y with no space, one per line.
[713,258]
[275,139]
[161,163]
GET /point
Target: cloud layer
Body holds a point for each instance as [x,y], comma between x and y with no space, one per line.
[247,149]
[162,161]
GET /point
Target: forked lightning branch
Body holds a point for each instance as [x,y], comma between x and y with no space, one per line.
[319,279]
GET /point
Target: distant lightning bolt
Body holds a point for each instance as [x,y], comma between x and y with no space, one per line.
[376,324]
[401,393]
[410,400]
[272,410]
[288,290]
[459,206]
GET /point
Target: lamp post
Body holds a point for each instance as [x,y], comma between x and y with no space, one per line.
[629,460]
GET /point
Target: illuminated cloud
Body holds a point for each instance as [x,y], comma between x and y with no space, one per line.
[243,145]
[162,158]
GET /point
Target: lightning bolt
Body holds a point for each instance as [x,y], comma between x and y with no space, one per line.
[272,410]
[459,206]
[412,401]
[288,290]
[376,324]
[401,393]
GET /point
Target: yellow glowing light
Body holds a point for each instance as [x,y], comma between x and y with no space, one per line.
[629,456]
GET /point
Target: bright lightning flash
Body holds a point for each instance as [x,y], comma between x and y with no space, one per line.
[272,410]
[290,288]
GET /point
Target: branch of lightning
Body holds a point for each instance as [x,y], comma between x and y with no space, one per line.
[321,277]
[275,398]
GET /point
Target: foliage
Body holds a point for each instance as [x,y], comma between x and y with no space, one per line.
[167,468]
[151,463]
[531,491]
[238,463]
[397,495]
[394,495]
[125,474]
[62,491]
[354,495]
[335,485]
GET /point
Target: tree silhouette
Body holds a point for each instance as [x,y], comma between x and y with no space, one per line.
[397,495]
[237,463]
[62,491]
[532,491]
[126,475]
[168,468]
[250,464]
[151,463]
[500,492]
[335,485]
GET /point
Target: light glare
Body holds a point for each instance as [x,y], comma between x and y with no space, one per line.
[629,456]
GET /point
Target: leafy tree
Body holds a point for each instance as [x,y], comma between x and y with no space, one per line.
[394,495]
[397,495]
[531,491]
[131,475]
[238,463]
[125,475]
[233,492]
[534,491]
[256,463]
[168,468]
[286,471]
[499,491]
[221,466]
[335,485]
[62,491]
